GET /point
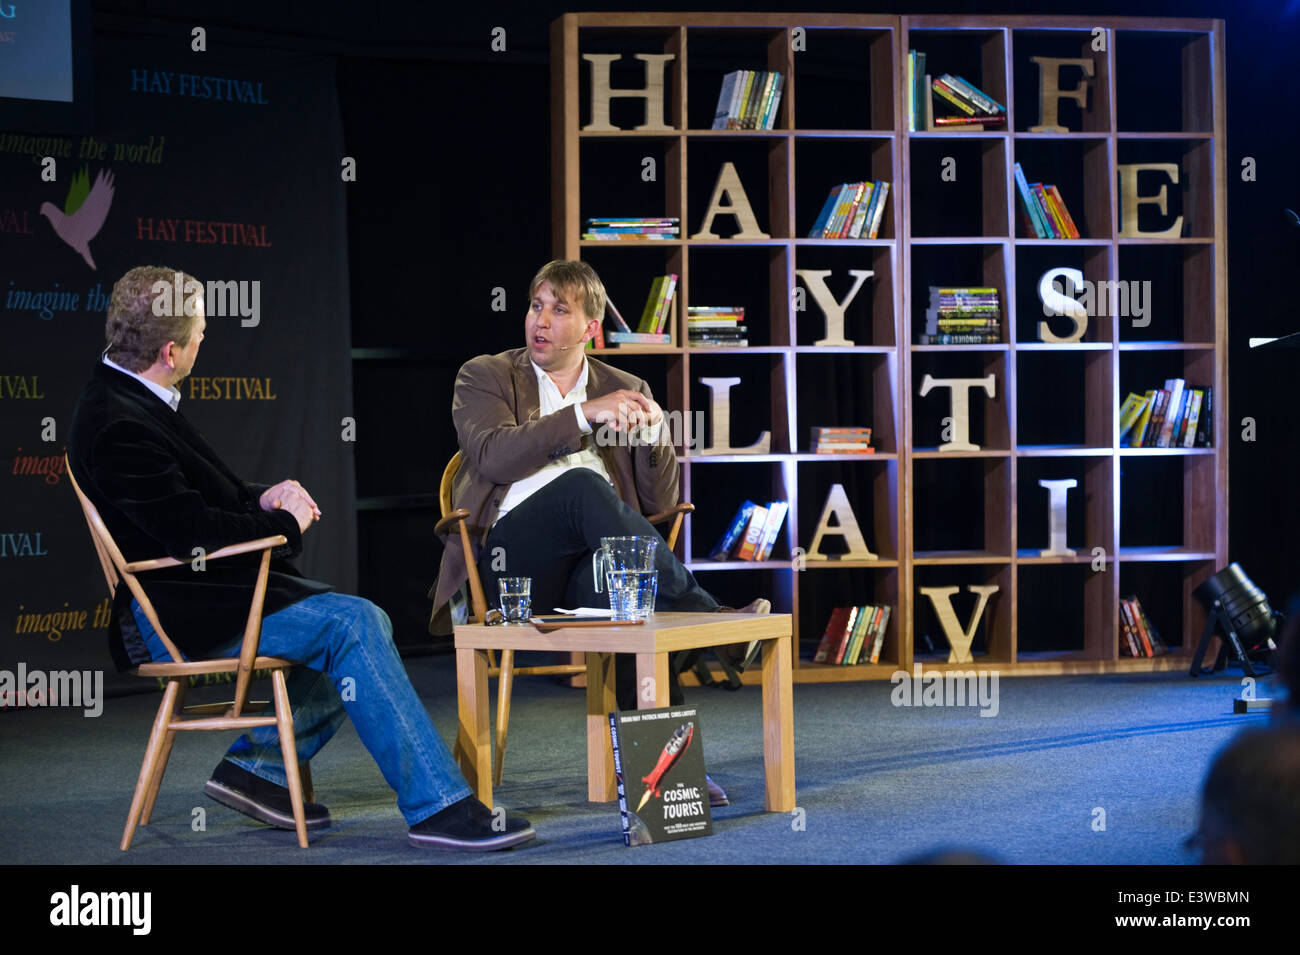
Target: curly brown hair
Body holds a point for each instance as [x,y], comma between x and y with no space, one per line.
[135,331]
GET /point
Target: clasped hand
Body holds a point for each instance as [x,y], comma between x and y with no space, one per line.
[291,496]
[623,410]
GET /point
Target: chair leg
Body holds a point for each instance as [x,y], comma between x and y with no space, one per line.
[289,749]
[166,753]
[308,790]
[505,683]
[151,753]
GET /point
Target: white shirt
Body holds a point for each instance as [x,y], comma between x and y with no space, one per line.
[585,457]
[171,397]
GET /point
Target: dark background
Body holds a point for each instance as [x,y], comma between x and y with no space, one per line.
[452,200]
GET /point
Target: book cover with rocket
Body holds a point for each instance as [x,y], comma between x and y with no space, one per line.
[659,761]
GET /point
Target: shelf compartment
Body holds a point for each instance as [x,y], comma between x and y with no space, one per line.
[726,276]
[850,587]
[869,317]
[1053,609]
[1079,382]
[956,265]
[848,391]
[971,200]
[1192,197]
[718,498]
[821,165]
[961,509]
[1090,508]
[994,636]
[1035,261]
[754,405]
[989,425]
[1080,170]
[1175,284]
[845,79]
[872,494]
[1094,115]
[762,166]
[1165,79]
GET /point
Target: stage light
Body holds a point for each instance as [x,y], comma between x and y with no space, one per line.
[1239,609]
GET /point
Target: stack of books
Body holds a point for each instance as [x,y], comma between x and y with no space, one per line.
[1174,416]
[716,326]
[748,100]
[853,210]
[614,230]
[963,315]
[752,532]
[1043,210]
[853,635]
[841,440]
[1139,639]
[968,106]
[654,317]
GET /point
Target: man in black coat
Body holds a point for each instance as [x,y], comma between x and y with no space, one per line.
[162,490]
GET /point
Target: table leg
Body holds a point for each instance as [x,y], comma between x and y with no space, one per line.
[602,786]
[473,748]
[651,680]
[778,724]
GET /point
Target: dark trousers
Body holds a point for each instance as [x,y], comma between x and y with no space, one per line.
[550,537]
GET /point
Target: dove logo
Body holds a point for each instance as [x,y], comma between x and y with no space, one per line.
[83,212]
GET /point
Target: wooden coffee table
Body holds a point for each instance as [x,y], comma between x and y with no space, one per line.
[651,642]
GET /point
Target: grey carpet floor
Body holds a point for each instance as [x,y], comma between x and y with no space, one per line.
[1075,770]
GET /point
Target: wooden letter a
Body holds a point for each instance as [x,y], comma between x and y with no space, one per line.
[728,185]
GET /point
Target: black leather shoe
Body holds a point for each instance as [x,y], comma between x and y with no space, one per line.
[264,801]
[717,795]
[469,826]
[741,656]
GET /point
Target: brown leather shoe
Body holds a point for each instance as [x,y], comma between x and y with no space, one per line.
[741,656]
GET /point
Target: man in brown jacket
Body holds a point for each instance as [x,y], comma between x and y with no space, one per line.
[540,488]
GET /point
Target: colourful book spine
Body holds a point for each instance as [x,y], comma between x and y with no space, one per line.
[1138,438]
[837,654]
[1040,199]
[880,634]
[1054,210]
[947,93]
[823,217]
[862,214]
[733,532]
[834,630]
[1070,227]
[1194,419]
[1129,413]
[859,190]
[882,189]
[1126,624]
[970,91]
[776,511]
[1170,421]
[753,532]
[639,338]
[665,304]
[1027,201]
[648,313]
[859,635]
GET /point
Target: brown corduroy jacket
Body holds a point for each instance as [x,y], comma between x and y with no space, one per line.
[504,438]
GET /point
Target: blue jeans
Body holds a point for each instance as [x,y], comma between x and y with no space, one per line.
[348,667]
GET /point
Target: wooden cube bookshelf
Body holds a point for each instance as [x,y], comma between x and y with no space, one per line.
[1154,519]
